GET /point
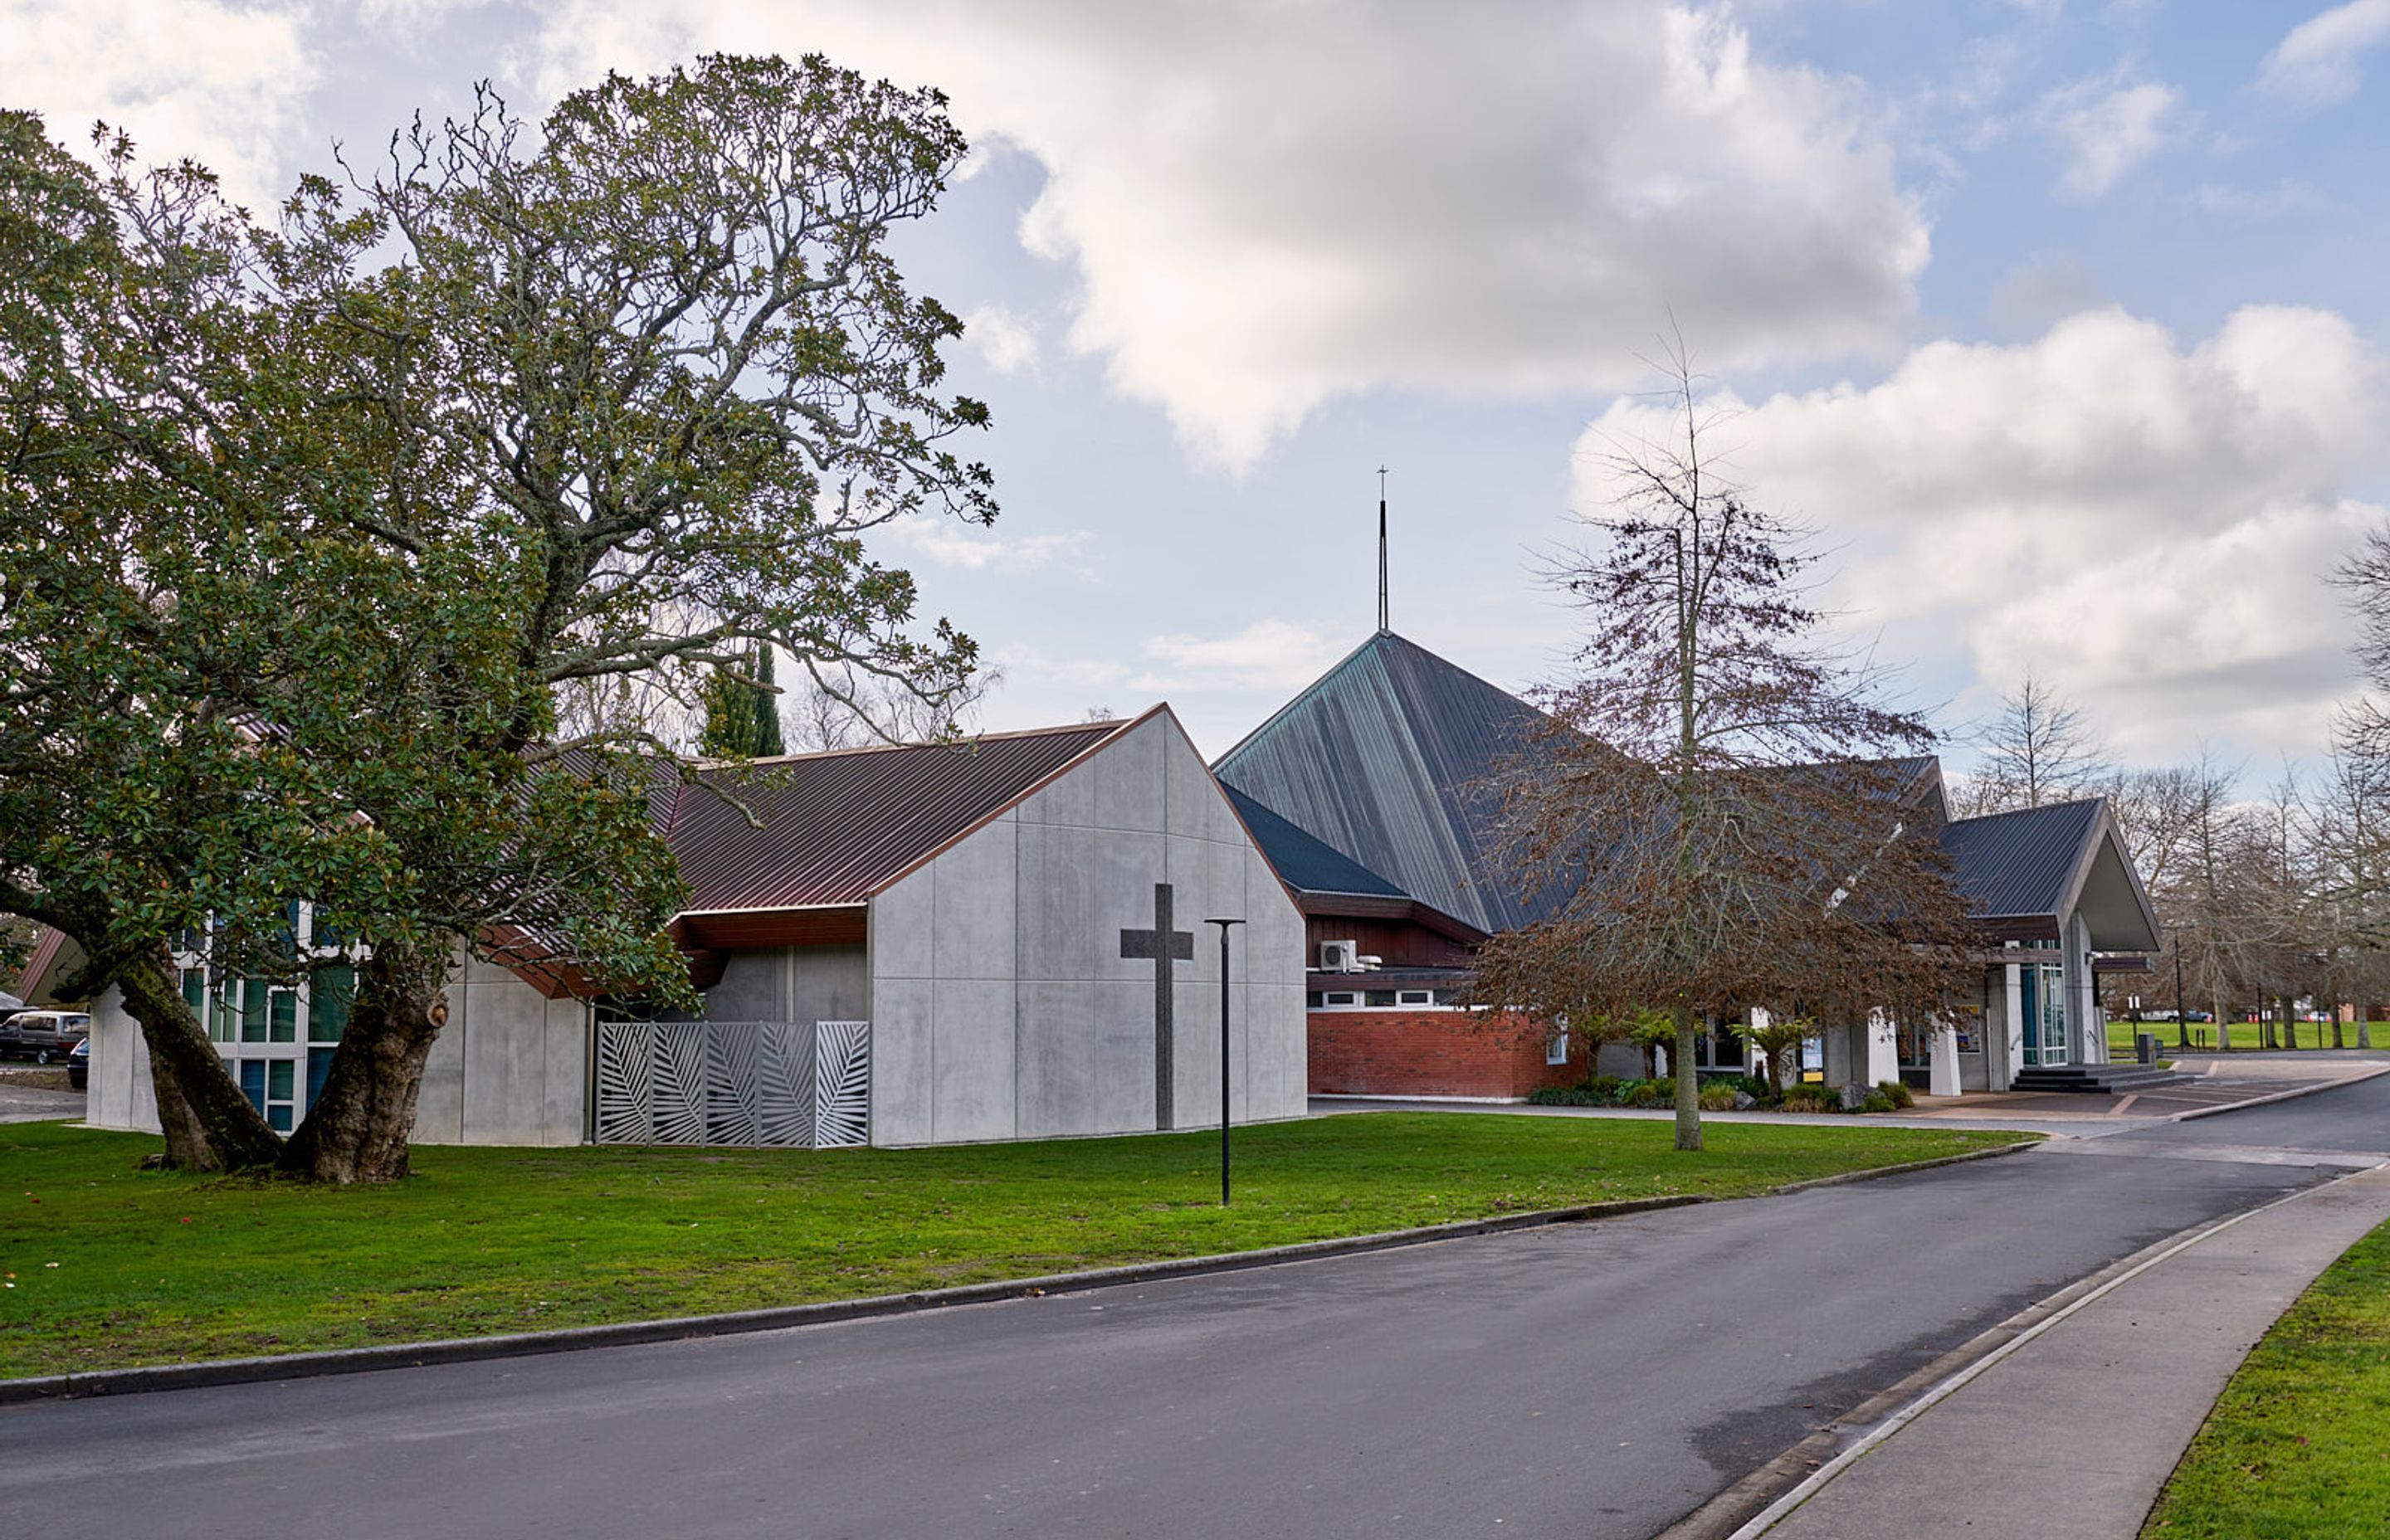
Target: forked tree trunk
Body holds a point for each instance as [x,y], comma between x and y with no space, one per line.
[1689,1086]
[209,1124]
[358,1128]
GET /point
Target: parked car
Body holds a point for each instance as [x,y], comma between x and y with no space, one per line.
[44,1037]
[79,1066]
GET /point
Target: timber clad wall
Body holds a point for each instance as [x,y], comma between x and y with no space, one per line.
[1431,1053]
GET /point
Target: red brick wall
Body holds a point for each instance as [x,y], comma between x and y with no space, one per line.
[1433,1053]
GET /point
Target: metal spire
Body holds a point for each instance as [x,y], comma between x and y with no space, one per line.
[1382,624]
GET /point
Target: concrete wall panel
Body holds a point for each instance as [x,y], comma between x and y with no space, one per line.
[972,936]
[900,924]
[1122,1070]
[1055,1058]
[972,1066]
[902,1061]
[1070,799]
[1129,780]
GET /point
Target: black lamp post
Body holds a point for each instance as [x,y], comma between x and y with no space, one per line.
[1223,925]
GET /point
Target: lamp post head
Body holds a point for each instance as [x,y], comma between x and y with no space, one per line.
[1224,924]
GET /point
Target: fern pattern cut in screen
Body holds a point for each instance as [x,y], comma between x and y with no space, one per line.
[754,1085]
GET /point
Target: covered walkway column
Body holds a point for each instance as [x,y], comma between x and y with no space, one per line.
[2084,1027]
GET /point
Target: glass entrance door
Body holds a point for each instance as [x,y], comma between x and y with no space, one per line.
[2045,1015]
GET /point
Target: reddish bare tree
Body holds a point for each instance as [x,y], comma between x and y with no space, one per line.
[1718,799]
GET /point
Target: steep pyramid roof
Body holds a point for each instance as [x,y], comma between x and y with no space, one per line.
[1386,759]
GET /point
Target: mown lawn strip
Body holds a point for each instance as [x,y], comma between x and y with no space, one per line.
[114,1266]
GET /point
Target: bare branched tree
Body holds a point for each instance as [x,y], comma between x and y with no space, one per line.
[2038,749]
[1722,801]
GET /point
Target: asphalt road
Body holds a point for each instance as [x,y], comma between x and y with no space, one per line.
[1585,1381]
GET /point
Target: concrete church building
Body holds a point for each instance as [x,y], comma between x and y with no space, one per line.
[924,944]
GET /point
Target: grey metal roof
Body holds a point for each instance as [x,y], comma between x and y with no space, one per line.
[1386,759]
[2021,862]
[1302,862]
[836,828]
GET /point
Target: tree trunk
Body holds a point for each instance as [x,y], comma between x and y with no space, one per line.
[358,1128]
[2337,1028]
[210,1125]
[2365,1027]
[1688,1085]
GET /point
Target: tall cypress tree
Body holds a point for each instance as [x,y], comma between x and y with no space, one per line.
[742,711]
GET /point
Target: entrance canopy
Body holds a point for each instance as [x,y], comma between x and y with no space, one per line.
[2025,874]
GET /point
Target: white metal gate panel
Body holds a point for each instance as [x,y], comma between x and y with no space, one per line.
[767,1085]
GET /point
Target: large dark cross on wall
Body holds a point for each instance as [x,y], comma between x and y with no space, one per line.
[1161,943]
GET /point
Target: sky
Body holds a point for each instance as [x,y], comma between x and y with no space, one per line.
[2060,321]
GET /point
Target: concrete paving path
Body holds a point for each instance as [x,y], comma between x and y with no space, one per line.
[2072,1434]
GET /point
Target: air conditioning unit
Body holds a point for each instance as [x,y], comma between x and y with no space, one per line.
[1339,956]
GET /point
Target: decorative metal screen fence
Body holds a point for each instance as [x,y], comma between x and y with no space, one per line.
[775,1084]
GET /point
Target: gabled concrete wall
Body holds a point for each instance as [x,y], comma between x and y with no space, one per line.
[510,1068]
[1001,1007]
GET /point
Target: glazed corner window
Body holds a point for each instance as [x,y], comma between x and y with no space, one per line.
[1556,1051]
[328,1003]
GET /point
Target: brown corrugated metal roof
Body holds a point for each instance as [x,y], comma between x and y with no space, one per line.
[838,827]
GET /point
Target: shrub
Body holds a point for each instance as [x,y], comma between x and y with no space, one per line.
[1719,1096]
[1647,1093]
[1811,1098]
[1564,1096]
[1895,1092]
[1876,1101]
[1604,1089]
[1749,1085]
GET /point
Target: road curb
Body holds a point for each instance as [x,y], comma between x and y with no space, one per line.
[2292,1095]
[1844,1178]
[1737,1512]
[524,1344]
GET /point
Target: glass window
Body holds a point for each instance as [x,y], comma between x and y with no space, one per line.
[1414,996]
[252,1082]
[252,1010]
[1556,1051]
[194,991]
[1380,996]
[319,1065]
[282,1022]
[328,1003]
[1340,997]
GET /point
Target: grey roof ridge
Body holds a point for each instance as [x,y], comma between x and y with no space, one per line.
[1299,697]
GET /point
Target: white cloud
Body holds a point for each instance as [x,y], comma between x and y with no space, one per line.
[1271,206]
[2145,525]
[2316,64]
[1267,654]
[948,543]
[2107,127]
[1006,340]
[219,81]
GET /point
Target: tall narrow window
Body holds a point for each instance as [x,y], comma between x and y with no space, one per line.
[328,1003]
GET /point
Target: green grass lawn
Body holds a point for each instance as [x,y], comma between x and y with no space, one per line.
[2245,1036]
[2299,1447]
[111,1266]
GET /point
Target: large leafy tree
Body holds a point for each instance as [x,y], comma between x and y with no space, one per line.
[220,694]
[1724,801]
[662,369]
